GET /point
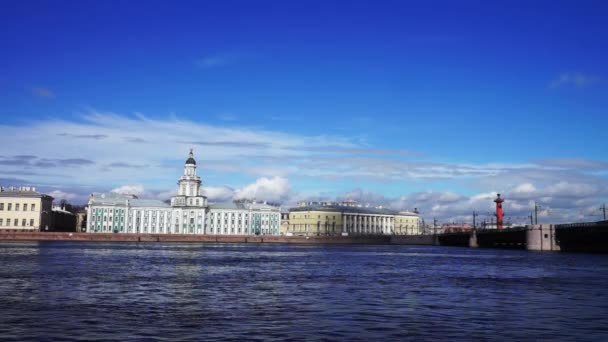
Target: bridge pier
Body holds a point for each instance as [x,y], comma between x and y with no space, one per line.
[541,237]
[473,243]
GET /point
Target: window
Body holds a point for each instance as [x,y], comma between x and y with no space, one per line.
[9,206]
[16,206]
[1,222]
[23,222]
[1,206]
[16,222]
[24,206]
[31,222]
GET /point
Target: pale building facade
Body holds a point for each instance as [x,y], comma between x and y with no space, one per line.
[348,218]
[408,223]
[243,218]
[187,213]
[24,209]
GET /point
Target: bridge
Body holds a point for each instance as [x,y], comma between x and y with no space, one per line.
[574,237]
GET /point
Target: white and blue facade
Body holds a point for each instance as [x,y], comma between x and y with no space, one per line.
[187,213]
[243,218]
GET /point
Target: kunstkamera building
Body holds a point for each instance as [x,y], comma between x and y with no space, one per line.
[187,213]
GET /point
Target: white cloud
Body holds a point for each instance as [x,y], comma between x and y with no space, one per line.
[136,190]
[148,151]
[576,190]
[218,193]
[559,202]
[364,197]
[59,195]
[526,188]
[109,151]
[276,189]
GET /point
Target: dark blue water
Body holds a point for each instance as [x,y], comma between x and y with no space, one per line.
[74,291]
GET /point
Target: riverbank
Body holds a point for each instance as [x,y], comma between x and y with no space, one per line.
[369,240]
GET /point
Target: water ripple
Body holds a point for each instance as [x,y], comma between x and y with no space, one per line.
[92,291]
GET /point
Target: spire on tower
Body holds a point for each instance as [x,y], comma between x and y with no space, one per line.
[191,158]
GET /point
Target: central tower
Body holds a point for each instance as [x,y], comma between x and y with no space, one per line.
[189,192]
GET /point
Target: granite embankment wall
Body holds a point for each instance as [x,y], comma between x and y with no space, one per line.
[38,236]
[414,240]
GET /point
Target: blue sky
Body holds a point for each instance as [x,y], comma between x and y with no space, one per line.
[386,101]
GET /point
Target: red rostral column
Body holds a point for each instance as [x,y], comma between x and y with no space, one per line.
[499,213]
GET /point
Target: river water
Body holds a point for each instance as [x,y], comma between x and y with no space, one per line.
[79,290]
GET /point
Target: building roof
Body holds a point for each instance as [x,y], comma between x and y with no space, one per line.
[262,206]
[57,209]
[243,206]
[352,209]
[23,192]
[120,199]
[227,205]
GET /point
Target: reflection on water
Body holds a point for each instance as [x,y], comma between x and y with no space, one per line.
[71,290]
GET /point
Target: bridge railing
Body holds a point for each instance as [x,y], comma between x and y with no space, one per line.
[582,224]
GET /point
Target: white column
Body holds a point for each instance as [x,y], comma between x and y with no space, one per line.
[385,225]
[89,211]
[384,229]
[376,224]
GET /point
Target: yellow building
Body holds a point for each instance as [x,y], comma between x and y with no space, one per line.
[315,221]
[349,218]
[24,209]
[407,223]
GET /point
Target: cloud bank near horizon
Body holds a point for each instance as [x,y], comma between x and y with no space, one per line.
[137,154]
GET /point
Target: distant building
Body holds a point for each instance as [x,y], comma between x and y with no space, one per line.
[456,227]
[350,218]
[24,209]
[188,213]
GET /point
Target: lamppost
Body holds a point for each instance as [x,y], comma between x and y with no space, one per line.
[475,214]
[536,207]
